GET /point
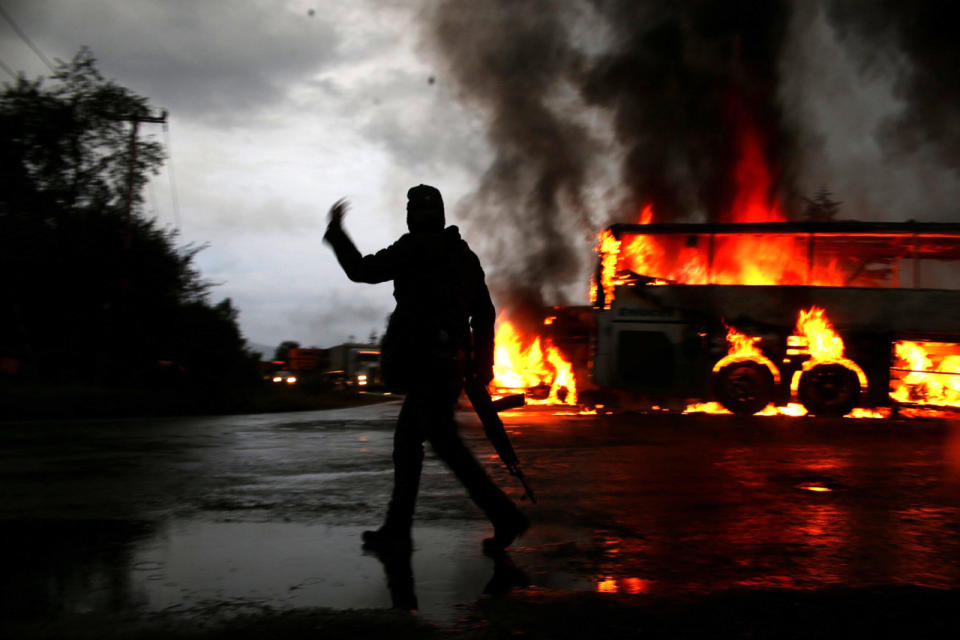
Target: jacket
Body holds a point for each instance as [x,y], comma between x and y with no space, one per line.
[443,304]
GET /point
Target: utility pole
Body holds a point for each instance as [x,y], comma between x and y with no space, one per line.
[135,121]
[118,315]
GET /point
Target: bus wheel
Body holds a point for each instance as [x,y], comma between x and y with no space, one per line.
[829,389]
[744,387]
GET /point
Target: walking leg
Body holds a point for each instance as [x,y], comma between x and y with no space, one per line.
[507,520]
[407,464]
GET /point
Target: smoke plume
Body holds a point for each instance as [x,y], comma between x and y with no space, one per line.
[916,42]
[680,86]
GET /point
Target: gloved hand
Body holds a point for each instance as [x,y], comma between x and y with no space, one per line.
[337,211]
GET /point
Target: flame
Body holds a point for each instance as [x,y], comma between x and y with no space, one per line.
[822,341]
[706,407]
[752,202]
[723,259]
[520,366]
[932,373]
[743,347]
[863,412]
[815,335]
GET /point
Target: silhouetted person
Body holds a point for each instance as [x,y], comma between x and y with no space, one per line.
[440,332]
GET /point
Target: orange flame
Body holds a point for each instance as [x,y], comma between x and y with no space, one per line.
[522,366]
[814,336]
[744,347]
[822,341]
[815,333]
[723,259]
[932,374]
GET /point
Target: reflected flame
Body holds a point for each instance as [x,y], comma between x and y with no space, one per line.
[608,585]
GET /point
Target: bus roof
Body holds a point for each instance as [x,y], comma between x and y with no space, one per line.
[842,227]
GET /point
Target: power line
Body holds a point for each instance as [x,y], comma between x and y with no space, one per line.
[173,183]
[7,68]
[25,38]
[152,195]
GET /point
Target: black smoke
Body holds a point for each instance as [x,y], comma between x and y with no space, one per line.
[508,58]
[917,43]
[684,81]
[681,83]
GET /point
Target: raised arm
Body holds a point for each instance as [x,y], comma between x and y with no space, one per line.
[378,267]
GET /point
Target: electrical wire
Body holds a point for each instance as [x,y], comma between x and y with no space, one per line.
[173,183]
[7,68]
[26,38]
[152,195]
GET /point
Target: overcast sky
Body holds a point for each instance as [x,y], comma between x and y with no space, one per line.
[277,108]
[275,113]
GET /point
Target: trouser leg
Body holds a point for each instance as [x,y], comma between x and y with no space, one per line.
[407,464]
[449,447]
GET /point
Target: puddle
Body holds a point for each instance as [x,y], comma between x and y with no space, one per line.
[287,565]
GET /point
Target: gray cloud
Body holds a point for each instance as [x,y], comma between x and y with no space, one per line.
[335,315]
[889,152]
[211,60]
[914,43]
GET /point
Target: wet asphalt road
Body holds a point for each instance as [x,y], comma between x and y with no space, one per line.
[266,510]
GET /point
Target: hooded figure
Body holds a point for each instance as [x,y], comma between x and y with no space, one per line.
[440,332]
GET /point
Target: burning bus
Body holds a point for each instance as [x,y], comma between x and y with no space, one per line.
[816,318]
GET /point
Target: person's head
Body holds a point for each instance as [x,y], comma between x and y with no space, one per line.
[424,209]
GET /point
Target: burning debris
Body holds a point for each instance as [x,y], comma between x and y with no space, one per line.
[927,373]
[532,367]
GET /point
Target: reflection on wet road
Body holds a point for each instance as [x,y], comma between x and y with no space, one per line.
[266,510]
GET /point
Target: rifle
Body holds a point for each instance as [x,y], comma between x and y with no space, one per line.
[486,409]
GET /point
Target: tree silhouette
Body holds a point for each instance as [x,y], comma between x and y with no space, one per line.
[283,350]
[90,293]
[821,208]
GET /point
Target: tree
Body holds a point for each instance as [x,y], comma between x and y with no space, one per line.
[821,208]
[90,293]
[283,350]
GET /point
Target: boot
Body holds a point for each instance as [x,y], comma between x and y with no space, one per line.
[384,540]
[505,531]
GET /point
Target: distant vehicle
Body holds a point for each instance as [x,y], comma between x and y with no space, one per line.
[355,365]
[283,377]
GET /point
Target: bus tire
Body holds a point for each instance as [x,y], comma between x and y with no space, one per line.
[744,387]
[829,389]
